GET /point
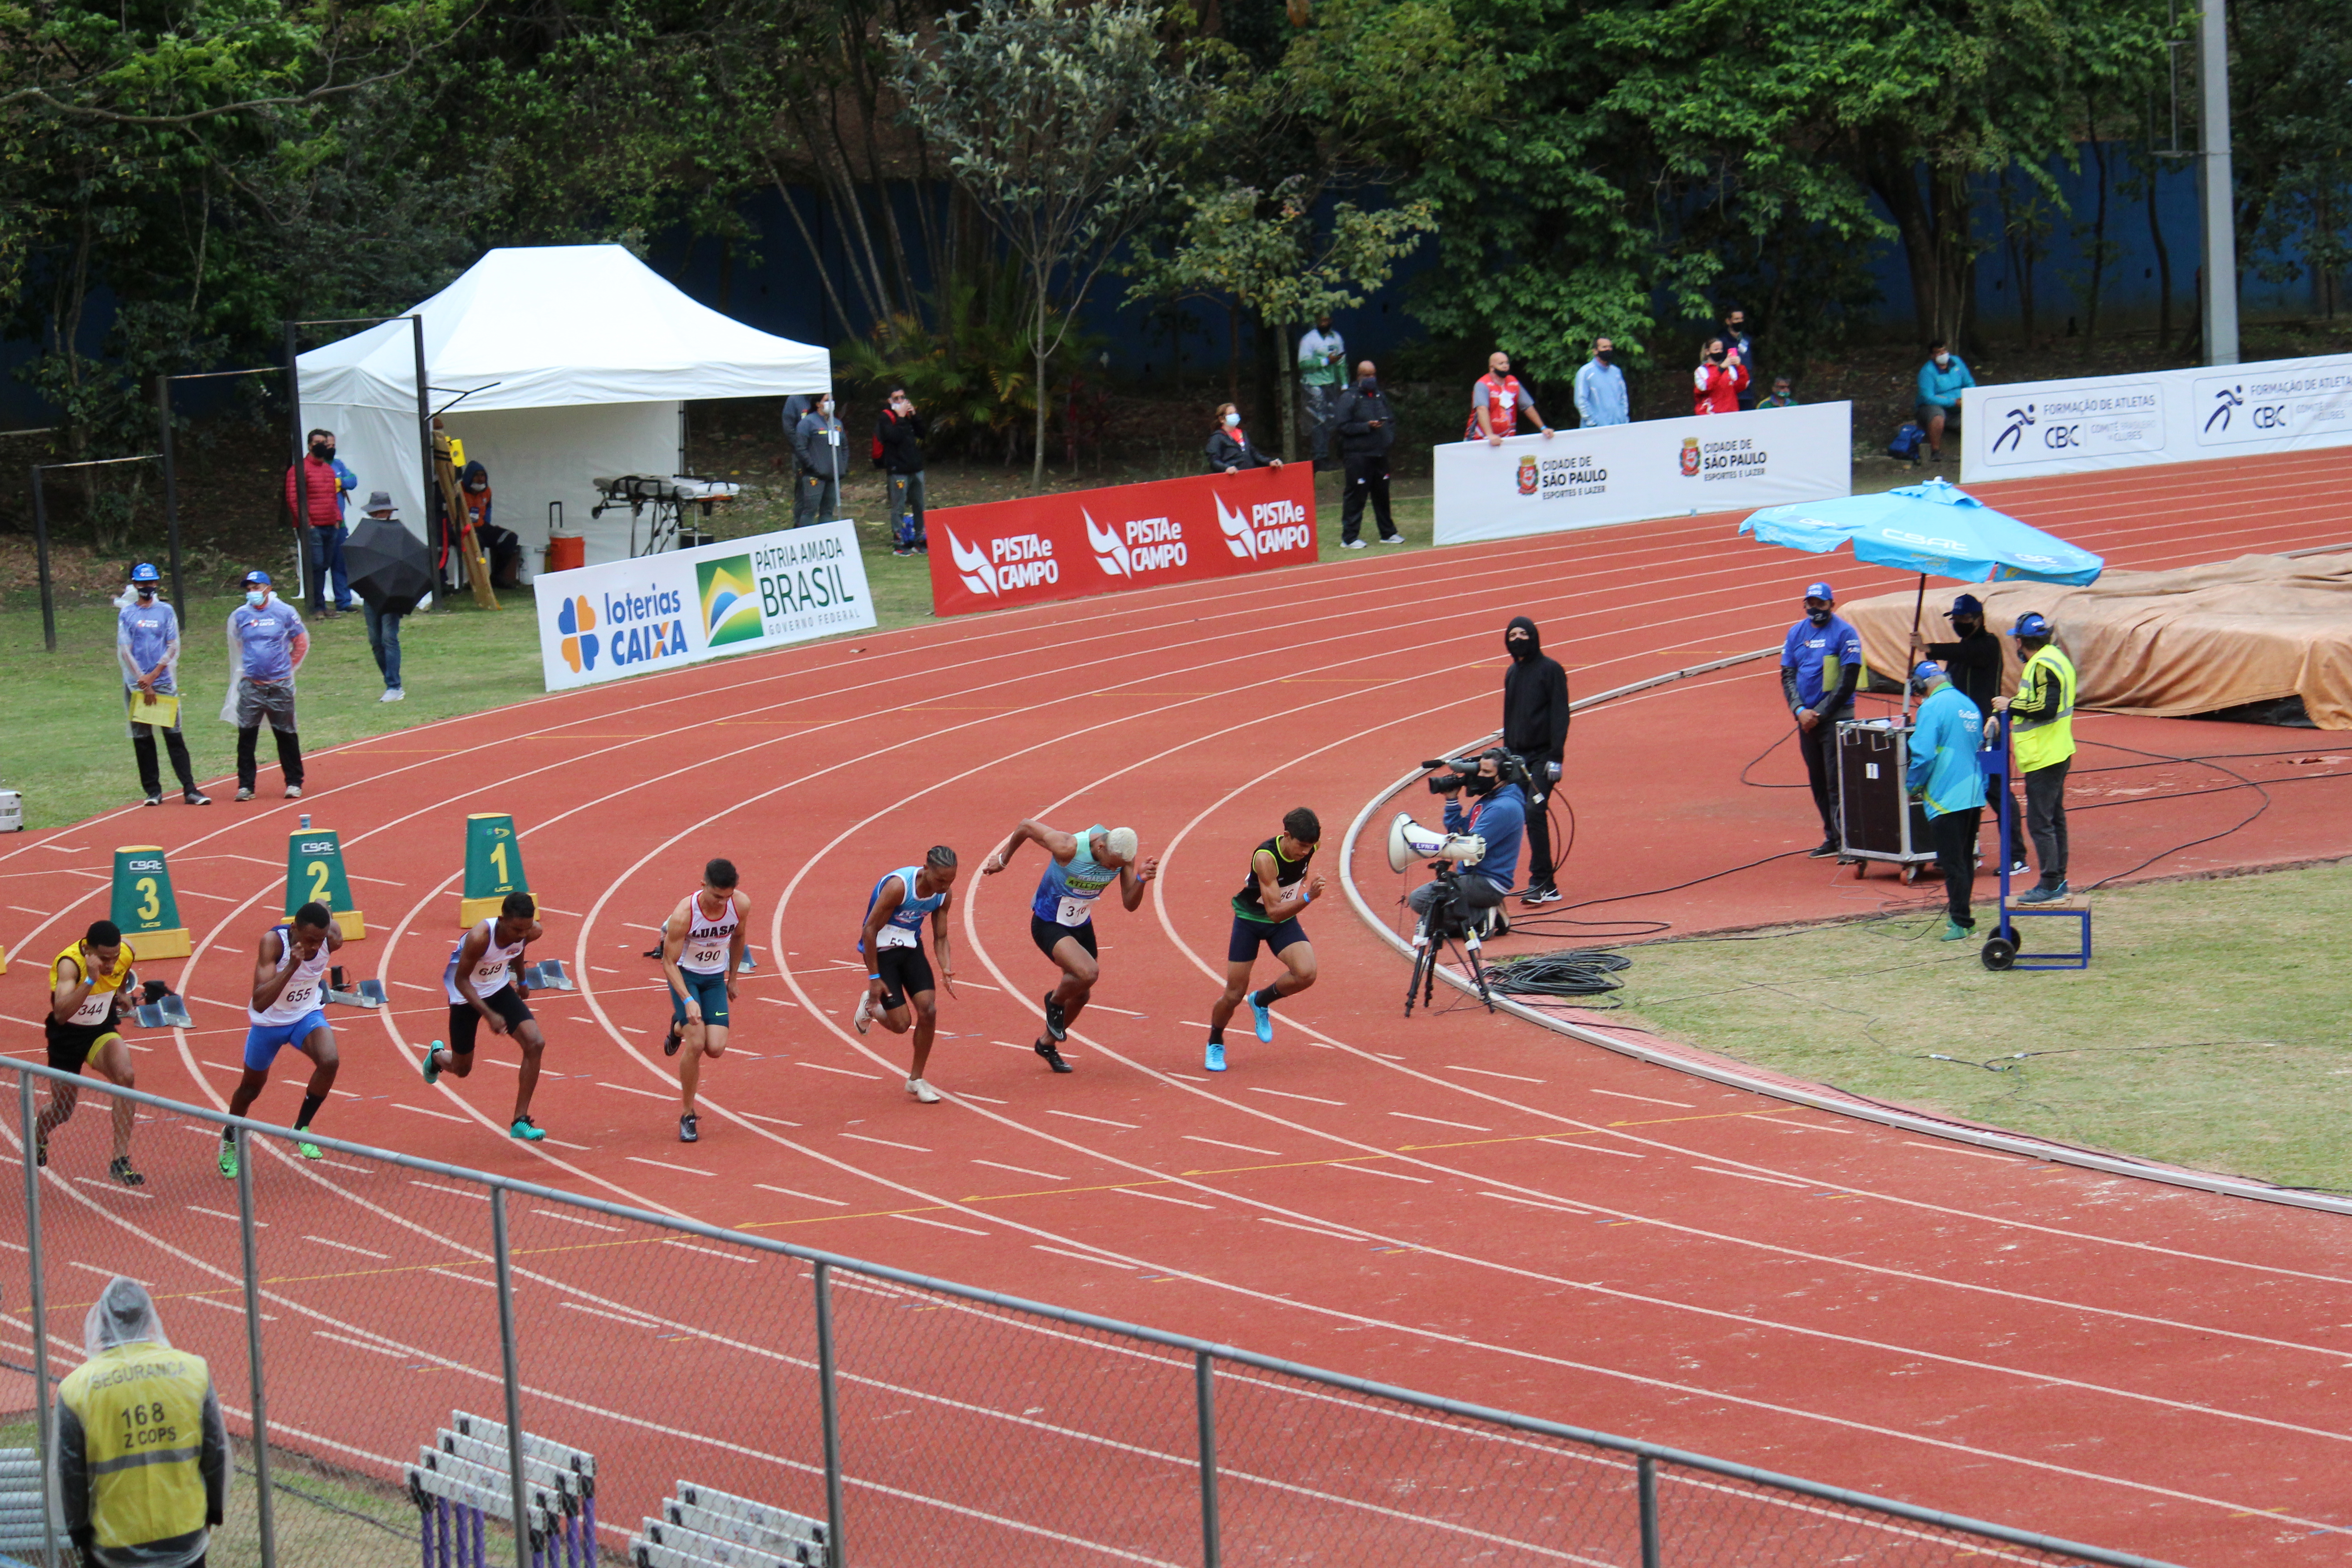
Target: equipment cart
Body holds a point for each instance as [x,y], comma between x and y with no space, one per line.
[1877,819]
[2002,950]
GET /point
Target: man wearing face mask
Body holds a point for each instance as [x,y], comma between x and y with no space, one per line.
[1535,729]
[1821,663]
[1600,388]
[822,457]
[1941,380]
[1366,429]
[1497,813]
[324,483]
[147,646]
[1972,659]
[267,644]
[1322,367]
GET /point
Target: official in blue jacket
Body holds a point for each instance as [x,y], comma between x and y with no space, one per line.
[1944,777]
[1941,380]
[1497,812]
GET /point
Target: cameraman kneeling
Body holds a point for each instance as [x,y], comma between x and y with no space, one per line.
[1497,813]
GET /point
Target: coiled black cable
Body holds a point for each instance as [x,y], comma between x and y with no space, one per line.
[1565,972]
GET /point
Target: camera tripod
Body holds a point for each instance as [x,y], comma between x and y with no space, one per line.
[1447,925]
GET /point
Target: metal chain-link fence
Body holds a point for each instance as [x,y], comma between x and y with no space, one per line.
[413,1359]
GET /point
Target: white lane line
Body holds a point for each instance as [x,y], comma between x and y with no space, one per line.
[1948,1149]
[665,1165]
[1284,1094]
[1315,1229]
[1103,1120]
[107,1273]
[360,1344]
[227,1307]
[1162,1197]
[755,1116]
[811,1197]
[468,1278]
[572,1218]
[223,1214]
[1441,1121]
[1370,1171]
[347,1246]
[1022,1169]
[1482,1072]
[984,1100]
[1533,1204]
[624,1089]
[1809,1127]
[1245,1148]
[438,1115]
[1081,1256]
[709,1251]
[939,1224]
[1750,1176]
[615,1317]
[115,1188]
[843,1071]
[886,1144]
[452,1192]
[1569,1140]
[1645,1098]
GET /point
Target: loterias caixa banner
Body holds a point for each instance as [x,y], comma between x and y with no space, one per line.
[1080,542]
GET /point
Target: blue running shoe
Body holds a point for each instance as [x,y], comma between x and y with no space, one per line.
[1264,1020]
[1213,1058]
[431,1065]
[525,1129]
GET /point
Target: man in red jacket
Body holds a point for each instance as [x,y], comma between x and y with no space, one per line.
[1721,377]
[324,483]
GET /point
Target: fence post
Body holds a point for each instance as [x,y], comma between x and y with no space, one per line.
[38,1300]
[41,550]
[829,1402]
[265,1520]
[1204,1399]
[521,1499]
[1646,1472]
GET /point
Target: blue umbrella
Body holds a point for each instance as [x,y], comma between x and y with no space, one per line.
[1936,530]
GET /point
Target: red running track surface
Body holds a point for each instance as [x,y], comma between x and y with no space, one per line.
[1457,1203]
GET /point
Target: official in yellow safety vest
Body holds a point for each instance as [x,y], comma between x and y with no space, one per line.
[2042,734]
[143,1457]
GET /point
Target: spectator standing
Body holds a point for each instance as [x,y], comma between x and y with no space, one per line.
[142,1451]
[1721,376]
[1366,430]
[1972,659]
[384,618]
[901,431]
[821,461]
[1496,399]
[1781,396]
[1230,450]
[147,646]
[1534,728]
[1600,389]
[1322,368]
[267,645]
[1736,339]
[1942,379]
[1942,777]
[2042,734]
[1821,664]
[323,481]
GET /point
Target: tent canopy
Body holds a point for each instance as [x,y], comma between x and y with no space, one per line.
[555,363]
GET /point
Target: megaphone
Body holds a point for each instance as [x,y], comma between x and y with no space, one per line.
[1409,841]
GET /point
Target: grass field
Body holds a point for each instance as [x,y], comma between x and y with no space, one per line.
[2209,1031]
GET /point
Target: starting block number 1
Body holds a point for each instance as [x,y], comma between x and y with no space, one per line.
[493,866]
[315,875]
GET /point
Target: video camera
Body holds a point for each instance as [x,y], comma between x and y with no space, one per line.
[1449,775]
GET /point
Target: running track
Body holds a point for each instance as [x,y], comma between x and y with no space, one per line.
[1456,1202]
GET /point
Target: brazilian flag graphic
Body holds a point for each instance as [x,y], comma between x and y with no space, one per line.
[730,600]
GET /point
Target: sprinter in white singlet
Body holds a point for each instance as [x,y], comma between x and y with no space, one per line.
[702,944]
[1083,867]
[288,1008]
[898,976]
[484,981]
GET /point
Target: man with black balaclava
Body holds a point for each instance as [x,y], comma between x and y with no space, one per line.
[1821,663]
[1365,429]
[1972,659]
[1535,729]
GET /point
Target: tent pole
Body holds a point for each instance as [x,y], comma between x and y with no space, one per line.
[1918,604]
[428,510]
[301,485]
[170,486]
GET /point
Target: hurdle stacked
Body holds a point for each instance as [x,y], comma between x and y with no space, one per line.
[461,1481]
[700,1527]
[26,1534]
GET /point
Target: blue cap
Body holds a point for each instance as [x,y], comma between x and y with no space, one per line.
[1926,671]
[1966,604]
[2030,625]
[145,572]
[1820,591]
[260,577]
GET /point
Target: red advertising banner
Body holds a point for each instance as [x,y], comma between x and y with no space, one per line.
[1081,542]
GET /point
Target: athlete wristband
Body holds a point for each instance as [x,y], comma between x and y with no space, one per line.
[873,978]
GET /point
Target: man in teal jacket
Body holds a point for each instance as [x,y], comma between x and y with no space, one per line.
[1941,380]
[1942,776]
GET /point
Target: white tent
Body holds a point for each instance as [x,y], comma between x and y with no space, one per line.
[576,360]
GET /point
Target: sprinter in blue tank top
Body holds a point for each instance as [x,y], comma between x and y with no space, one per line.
[897,973]
[1061,914]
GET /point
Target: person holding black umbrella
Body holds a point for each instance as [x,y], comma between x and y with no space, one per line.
[371,581]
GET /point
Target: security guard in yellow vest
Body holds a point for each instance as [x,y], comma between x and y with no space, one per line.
[2041,734]
[142,1456]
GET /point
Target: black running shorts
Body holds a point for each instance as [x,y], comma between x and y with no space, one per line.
[905,973]
[464,1019]
[1048,934]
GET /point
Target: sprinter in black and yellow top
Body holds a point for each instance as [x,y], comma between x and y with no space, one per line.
[1266,910]
[142,1456]
[87,984]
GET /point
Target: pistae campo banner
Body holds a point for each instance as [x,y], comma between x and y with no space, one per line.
[1108,541]
[657,612]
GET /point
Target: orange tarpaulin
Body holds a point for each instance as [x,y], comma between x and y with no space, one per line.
[2166,644]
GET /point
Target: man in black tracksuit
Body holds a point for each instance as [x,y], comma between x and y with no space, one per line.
[1364,430]
[1535,727]
[1973,661]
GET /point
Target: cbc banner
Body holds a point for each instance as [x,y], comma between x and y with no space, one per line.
[1079,543]
[659,612]
[1657,467]
[2159,416]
